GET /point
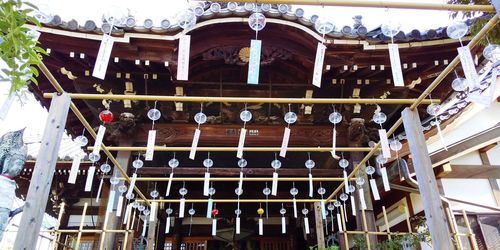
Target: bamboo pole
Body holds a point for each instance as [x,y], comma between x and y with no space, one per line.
[82,220]
[388,229]
[103,234]
[224,179]
[241,99]
[344,228]
[471,236]
[57,235]
[234,149]
[478,37]
[87,126]
[379,4]
[454,230]
[125,240]
[365,229]
[234,200]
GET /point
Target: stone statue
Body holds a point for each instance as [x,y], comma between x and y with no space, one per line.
[13,154]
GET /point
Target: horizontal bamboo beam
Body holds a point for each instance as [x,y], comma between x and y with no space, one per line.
[234,149]
[235,200]
[200,99]
[98,231]
[379,4]
[223,179]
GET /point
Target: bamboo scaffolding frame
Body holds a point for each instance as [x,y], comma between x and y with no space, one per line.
[344,228]
[386,222]
[246,149]
[478,37]
[104,226]
[224,179]
[201,99]
[379,4]
[59,218]
[80,229]
[471,236]
[87,126]
[128,228]
[234,200]
[365,228]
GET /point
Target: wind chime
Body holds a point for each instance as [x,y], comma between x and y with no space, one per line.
[215,212]
[136,164]
[390,29]
[199,118]
[275,164]
[266,191]
[129,207]
[210,202]
[153,114]
[260,212]
[105,169]
[379,118]
[186,20]
[434,110]
[360,181]
[106,116]
[172,163]
[81,141]
[191,212]
[338,205]
[294,191]
[169,211]
[321,192]
[290,118]
[330,208]
[238,191]
[242,163]
[351,189]
[121,189]
[323,26]
[207,163]
[245,116]
[335,118]
[344,197]
[146,212]
[283,219]
[343,163]
[91,171]
[373,184]
[305,211]
[154,204]
[310,165]
[257,22]
[182,203]
[111,198]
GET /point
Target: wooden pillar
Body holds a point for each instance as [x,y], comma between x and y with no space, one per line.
[320,233]
[176,234]
[292,232]
[433,207]
[160,238]
[151,239]
[43,172]
[493,182]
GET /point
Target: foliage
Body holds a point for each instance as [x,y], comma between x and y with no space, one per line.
[396,242]
[333,247]
[480,19]
[18,49]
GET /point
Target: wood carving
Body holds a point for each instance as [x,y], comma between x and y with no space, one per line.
[231,55]
[125,127]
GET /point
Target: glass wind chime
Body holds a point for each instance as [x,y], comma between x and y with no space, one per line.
[169,212]
[257,22]
[122,188]
[492,53]
[330,208]
[191,212]
[323,26]
[344,197]
[310,165]
[290,118]
[210,202]
[275,164]
[343,163]
[128,206]
[283,219]
[294,191]
[186,20]
[370,170]
[111,198]
[321,192]
[207,163]
[305,211]
[360,181]
[172,163]
[199,118]
[266,191]
[91,171]
[335,118]
[215,212]
[242,163]
[433,110]
[154,204]
[390,29]
[81,141]
[351,189]
[105,169]
[106,116]
[153,114]
[238,191]
[260,212]
[379,118]
[245,116]
[182,202]
[136,164]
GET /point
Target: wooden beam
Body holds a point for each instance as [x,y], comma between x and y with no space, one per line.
[468,171]
[433,208]
[492,179]
[320,233]
[225,172]
[41,180]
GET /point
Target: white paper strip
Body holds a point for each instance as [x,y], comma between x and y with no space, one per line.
[194,145]
[154,209]
[397,73]
[334,143]
[284,143]
[182,205]
[374,188]
[294,207]
[311,191]
[323,210]
[214,227]
[318,65]
[274,187]
[240,183]
[254,62]
[4,110]
[346,182]
[111,201]
[440,133]
[169,184]
[384,143]
[127,212]
[238,225]
[261,226]
[119,206]
[210,203]
[353,205]
[183,57]
[75,165]
[283,225]
[362,198]
[206,183]
[331,218]
[144,226]
[385,179]
[101,62]
[241,143]
[133,220]
[306,225]
[339,223]
[98,139]
[98,196]
[132,184]
[90,178]
[150,149]
[167,227]
[468,65]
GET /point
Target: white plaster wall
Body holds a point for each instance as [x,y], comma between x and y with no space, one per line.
[494,155]
[471,158]
[74,220]
[416,202]
[472,190]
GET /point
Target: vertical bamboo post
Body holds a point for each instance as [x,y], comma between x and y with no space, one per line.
[408,223]
[365,228]
[82,220]
[453,228]
[388,229]
[127,227]
[103,234]
[472,236]
[344,228]
[57,235]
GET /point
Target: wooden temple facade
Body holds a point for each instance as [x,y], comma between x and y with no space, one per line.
[356,81]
